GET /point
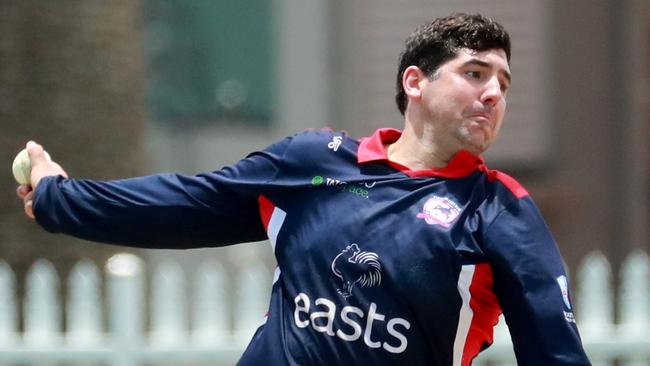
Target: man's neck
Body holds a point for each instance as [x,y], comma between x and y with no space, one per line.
[417,150]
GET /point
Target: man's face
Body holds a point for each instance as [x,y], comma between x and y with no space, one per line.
[464,102]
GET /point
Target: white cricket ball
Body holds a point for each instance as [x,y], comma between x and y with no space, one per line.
[22,167]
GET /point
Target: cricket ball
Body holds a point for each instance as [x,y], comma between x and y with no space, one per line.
[22,167]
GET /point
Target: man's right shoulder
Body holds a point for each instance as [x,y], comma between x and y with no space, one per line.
[318,146]
[323,139]
[318,135]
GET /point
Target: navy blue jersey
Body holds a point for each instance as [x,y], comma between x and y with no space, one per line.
[377,264]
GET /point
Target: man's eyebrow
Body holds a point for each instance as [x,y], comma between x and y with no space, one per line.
[482,63]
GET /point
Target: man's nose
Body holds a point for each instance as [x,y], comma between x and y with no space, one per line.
[492,93]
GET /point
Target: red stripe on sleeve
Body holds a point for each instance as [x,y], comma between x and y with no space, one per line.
[486,310]
[266,210]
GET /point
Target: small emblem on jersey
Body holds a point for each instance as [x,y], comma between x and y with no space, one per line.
[354,267]
[335,143]
[317,180]
[439,211]
[564,288]
[330,182]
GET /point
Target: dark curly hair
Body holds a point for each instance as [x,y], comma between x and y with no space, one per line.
[431,45]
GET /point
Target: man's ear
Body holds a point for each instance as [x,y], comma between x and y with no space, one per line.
[412,82]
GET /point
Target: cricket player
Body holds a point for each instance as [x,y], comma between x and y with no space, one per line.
[401,248]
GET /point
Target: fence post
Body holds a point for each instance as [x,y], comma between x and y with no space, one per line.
[125,296]
[211,311]
[253,285]
[8,318]
[84,313]
[168,305]
[42,312]
[595,302]
[634,306]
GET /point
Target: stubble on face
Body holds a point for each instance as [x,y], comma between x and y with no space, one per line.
[472,140]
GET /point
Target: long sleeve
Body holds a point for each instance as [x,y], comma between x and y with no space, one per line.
[164,210]
[532,288]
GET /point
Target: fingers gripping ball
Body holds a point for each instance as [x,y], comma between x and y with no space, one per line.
[22,167]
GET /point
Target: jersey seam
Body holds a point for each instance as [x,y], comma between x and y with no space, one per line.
[498,215]
[276,168]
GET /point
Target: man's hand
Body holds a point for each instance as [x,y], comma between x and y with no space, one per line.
[41,167]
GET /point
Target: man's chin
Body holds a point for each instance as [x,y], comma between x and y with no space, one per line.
[475,150]
[476,144]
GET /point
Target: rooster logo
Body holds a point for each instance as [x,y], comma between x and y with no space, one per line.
[355,267]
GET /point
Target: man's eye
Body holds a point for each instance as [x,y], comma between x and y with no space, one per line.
[473,74]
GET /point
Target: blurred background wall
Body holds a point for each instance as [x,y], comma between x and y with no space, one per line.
[122,88]
[72,78]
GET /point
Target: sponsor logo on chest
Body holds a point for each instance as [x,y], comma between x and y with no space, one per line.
[354,270]
[361,189]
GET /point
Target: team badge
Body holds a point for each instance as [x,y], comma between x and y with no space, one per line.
[354,267]
[439,211]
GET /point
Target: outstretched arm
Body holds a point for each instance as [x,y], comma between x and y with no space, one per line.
[157,211]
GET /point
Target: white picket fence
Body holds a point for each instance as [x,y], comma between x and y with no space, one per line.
[171,339]
[113,332]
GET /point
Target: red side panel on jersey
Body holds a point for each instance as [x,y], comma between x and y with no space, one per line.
[272,219]
[266,210]
[485,306]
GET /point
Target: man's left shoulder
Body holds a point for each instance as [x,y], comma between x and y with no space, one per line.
[509,184]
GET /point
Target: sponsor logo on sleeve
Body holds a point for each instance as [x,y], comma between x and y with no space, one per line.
[564,290]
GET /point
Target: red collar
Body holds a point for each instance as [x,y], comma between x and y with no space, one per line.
[371,149]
